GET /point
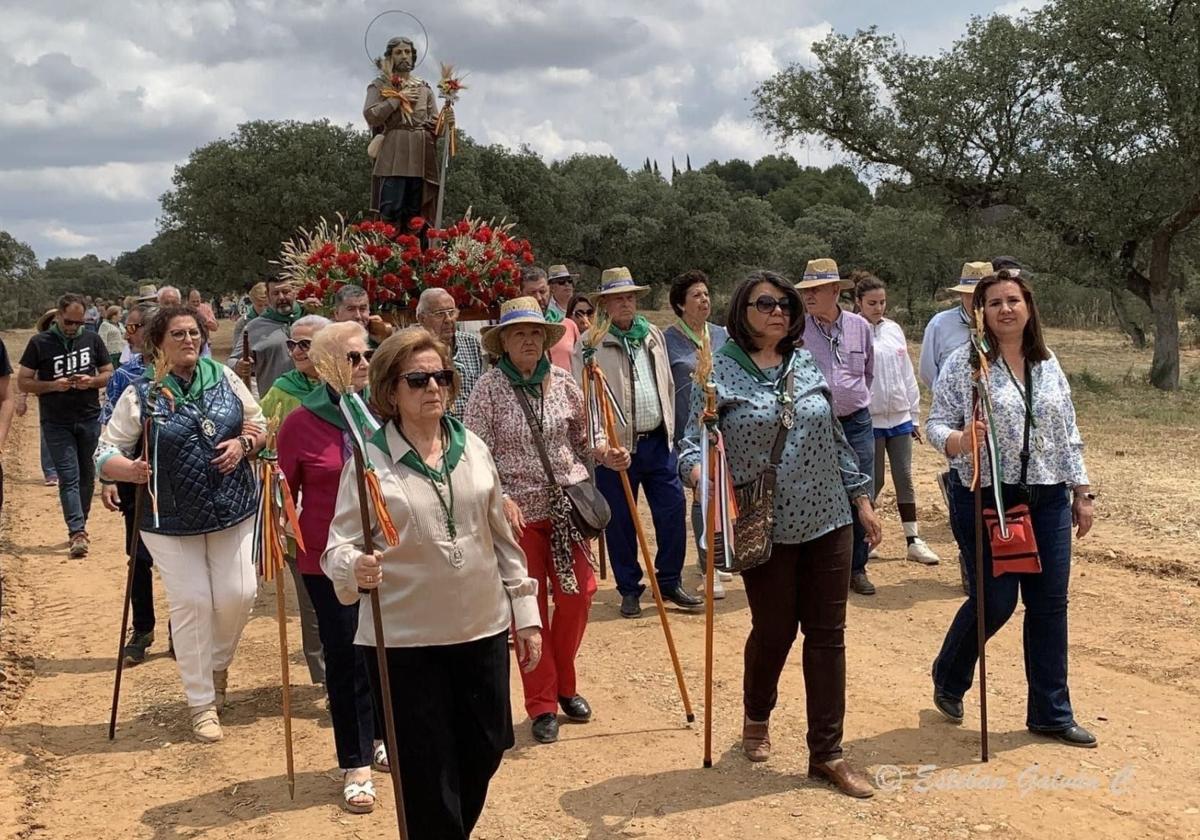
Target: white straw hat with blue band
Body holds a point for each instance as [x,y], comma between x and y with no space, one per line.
[822,272]
[970,276]
[617,281]
[522,310]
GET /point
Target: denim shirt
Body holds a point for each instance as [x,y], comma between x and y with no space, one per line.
[682,351]
[1055,445]
[818,472]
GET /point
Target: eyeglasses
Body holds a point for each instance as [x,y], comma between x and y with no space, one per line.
[766,304]
[180,335]
[304,344]
[356,358]
[132,328]
[444,313]
[420,379]
[579,311]
[71,322]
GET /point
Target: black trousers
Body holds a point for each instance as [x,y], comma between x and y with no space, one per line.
[346,677]
[142,595]
[453,724]
[801,587]
[400,199]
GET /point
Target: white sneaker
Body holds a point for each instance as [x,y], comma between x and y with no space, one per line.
[873,554]
[919,552]
[725,576]
[718,588]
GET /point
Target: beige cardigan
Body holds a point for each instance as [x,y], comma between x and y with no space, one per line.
[614,361]
[424,599]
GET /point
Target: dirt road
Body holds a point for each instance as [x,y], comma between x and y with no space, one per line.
[635,770]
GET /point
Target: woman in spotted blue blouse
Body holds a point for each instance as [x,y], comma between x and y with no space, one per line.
[804,584]
[1026,385]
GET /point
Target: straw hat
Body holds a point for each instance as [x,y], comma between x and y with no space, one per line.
[822,272]
[522,310]
[559,272]
[147,292]
[617,281]
[971,274]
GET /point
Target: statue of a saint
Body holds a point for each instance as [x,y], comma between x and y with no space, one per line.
[402,108]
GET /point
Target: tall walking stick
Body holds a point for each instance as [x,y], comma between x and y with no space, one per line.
[246,355]
[710,532]
[337,373]
[603,558]
[980,623]
[139,508]
[598,392]
[276,505]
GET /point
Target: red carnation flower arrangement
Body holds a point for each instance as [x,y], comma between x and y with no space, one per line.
[479,263]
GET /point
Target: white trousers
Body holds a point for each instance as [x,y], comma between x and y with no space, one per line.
[211,584]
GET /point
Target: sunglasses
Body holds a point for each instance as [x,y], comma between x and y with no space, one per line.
[767,304]
[420,379]
[355,358]
[562,281]
[132,328]
[303,343]
[180,335]
[579,311]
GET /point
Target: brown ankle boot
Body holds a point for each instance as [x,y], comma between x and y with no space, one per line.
[756,740]
[842,776]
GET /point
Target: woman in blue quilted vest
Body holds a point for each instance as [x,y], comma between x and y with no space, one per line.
[204,427]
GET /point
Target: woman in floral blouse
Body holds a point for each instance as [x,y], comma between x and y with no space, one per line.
[1021,368]
[559,557]
[803,585]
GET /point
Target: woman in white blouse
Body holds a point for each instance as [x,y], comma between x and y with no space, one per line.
[895,409]
[1026,385]
[449,590]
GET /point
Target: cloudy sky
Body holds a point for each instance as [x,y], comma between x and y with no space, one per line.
[101,99]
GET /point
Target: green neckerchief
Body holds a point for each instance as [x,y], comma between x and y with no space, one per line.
[686,330]
[67,340]
[271,314]
[324,402]
[208,374]
[633,337]
[748,364]
[453,454]
[532,384]
[296,384]
[553,316]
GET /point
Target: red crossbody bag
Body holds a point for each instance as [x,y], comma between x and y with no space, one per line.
[1016,553]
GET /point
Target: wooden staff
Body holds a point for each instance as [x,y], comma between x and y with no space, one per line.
[246,355]
[980,622]
[710,535]
[139,508]
[285,679]
[385,685]
[603,558]
[610,429]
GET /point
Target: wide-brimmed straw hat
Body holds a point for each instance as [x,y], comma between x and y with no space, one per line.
[822,272]
[617,281]
[147,292]
[522,310]
[970,276]
[559,272]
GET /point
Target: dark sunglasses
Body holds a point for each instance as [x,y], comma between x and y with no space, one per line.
[69,322]
[562,281]
[132,328]
[304,344]
[420,379]
[355,358]
[579,311]
[766,304]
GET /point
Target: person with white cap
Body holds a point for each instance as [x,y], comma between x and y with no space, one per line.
[633,356]
[531,415]
[844,349]
[946,332]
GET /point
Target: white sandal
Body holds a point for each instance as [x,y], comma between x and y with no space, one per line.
[379,761]
[352,790]
[205,725]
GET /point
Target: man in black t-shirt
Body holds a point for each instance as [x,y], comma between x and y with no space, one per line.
[66,366]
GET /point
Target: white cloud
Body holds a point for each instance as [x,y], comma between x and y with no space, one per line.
[67,238]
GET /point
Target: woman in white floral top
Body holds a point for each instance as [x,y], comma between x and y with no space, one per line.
[1026,383]
[559,557]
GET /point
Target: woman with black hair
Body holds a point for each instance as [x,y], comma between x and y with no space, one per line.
[773,404]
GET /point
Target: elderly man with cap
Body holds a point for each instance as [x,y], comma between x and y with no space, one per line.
[268,334]
[842,345]
[438,314]
[534,284]
[562,287]
[946,332]
[633,357]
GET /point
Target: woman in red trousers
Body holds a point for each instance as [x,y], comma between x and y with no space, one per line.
[522,405]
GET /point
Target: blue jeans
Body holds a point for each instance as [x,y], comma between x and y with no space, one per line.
[72,447]
[653,467]
[1048,708]
[861,436]
[47,459]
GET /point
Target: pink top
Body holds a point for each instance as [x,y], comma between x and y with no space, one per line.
[312,453]
[561,353]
